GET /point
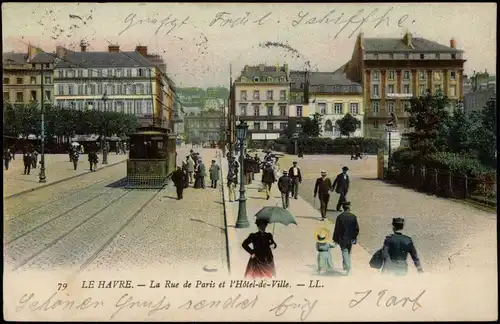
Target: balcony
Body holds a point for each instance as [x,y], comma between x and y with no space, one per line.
[398,96]
[375,96]
[263,118]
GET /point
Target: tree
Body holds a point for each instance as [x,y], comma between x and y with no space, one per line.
[290,129]
[347,125]
[12,120]
[312,127]
[427,114]
[484,134]
[459,132]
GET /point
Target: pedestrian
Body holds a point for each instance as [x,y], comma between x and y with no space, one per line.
[247,169]
[76,156]
[341,186]
[301,152]
[261,262]
[395,251]
[214,174]
[81,148]
[345,234]
[13,151]
[256,166]
[231,184]
[28,162]
[268,178]
[322,190]
[70,152]
[190,167]
[202,173]
[324,260]
[179,179]
[34,159]
[92,156]
[285,186]
[7,156]
[296,177]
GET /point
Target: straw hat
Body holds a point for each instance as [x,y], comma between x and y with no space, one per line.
[321,234]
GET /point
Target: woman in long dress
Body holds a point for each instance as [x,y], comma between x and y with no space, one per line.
[261,262]
[325,261]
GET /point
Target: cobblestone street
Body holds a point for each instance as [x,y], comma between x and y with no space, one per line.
[93,223]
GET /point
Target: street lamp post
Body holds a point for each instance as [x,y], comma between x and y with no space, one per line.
[241,134]
[42,178]
[105,144]
[389,147]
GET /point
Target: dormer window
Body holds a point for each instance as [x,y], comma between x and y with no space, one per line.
[255,79]
[422,56]
[407,56]
[437,56]
[269,79]
[453,56]
[282,79]
[243,79]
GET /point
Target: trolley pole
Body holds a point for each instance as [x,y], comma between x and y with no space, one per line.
[42,177]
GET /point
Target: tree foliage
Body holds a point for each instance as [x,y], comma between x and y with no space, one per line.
[484,134]
[312,126]
[347,125]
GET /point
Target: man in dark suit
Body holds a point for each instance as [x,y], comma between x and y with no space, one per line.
[296,176]
[345,234]
[285,186]
[322,190]
[396,249]
[341,186]
[28,161]
[179,177]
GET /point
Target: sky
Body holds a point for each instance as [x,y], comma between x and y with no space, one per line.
[201,41]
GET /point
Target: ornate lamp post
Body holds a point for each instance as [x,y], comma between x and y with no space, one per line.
[42,177]
[105,143]
[241,134]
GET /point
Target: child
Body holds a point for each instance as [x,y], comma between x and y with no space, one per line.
[325,261]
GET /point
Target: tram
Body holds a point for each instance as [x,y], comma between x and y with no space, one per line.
[152,158]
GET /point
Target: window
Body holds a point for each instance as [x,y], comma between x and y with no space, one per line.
[375,106]
[256,110]
[99,89]
[390,88]
[437,89]
[91,73]
[19,97]
[6,96]
[337,109]
[453,91]
[60,74]
[6,80]
[282,110]
[243,95]
[100,105]
[109,89]
[406,88]
[256,125]
[110,73]
[255,79]
[391,56]
[269,79]
[47,80]
[299,111]
[129,73]
[407,56]
[119,72]
[270,95]
[421,89]
[60,89]
[453,56]
[130,108]
[99,73]
[437,56]
[80,73]
[375,56]
[149,88]
[140,89]
[19,80]
[149,107]
[79,105]
[33,95]
[256,95]
[270,126]
[283,126]
[80,89]
[437,75]
[282,94]
[375,124]
[422,56]
[376,91]
[421,75]
[406,75]
[70,89]
[353,108]
[282,79]
[390,75]
[47,95]
[322,108]
[453,75]
[71,73]
[390,106]
[138,107]
[376,75]
[32,80]
[243,110]
[269,110]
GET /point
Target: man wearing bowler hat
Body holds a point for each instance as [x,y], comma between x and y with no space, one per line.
[396,249]
[341,186]
[345,234]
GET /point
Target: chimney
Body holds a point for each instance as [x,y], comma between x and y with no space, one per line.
[114,48]
[60,51]
[143,50]
[83,46]
[453,43]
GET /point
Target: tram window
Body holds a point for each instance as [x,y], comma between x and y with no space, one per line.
[160,145]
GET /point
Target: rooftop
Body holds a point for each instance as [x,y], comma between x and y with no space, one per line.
[320,79]
[103,59]
[263,71]
[14,58]
[381,45]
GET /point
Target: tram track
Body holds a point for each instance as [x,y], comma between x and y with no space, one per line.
[86,237]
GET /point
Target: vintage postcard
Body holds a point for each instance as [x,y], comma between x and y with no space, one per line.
[249,162]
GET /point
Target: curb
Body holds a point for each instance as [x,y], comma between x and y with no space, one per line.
[60,180]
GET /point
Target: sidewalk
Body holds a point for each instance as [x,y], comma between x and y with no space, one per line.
[57,168]
[296,253]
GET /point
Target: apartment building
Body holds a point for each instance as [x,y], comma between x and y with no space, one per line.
[393,70]
[261,97]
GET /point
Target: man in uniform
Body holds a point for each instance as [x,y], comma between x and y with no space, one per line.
[345,234]
[341,186]
[285,186]
[396,249]
[296,177]
[322,190]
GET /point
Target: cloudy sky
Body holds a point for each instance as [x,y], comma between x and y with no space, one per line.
[200,41]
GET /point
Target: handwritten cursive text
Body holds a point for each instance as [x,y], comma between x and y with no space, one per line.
[167,24]
[128,301]
[386,301]
[227,19]
[304,307]
[56,301]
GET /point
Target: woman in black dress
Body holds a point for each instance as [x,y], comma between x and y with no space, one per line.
[261,263]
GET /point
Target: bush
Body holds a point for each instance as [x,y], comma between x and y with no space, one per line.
[456,163]
[406,156]
[321,145]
